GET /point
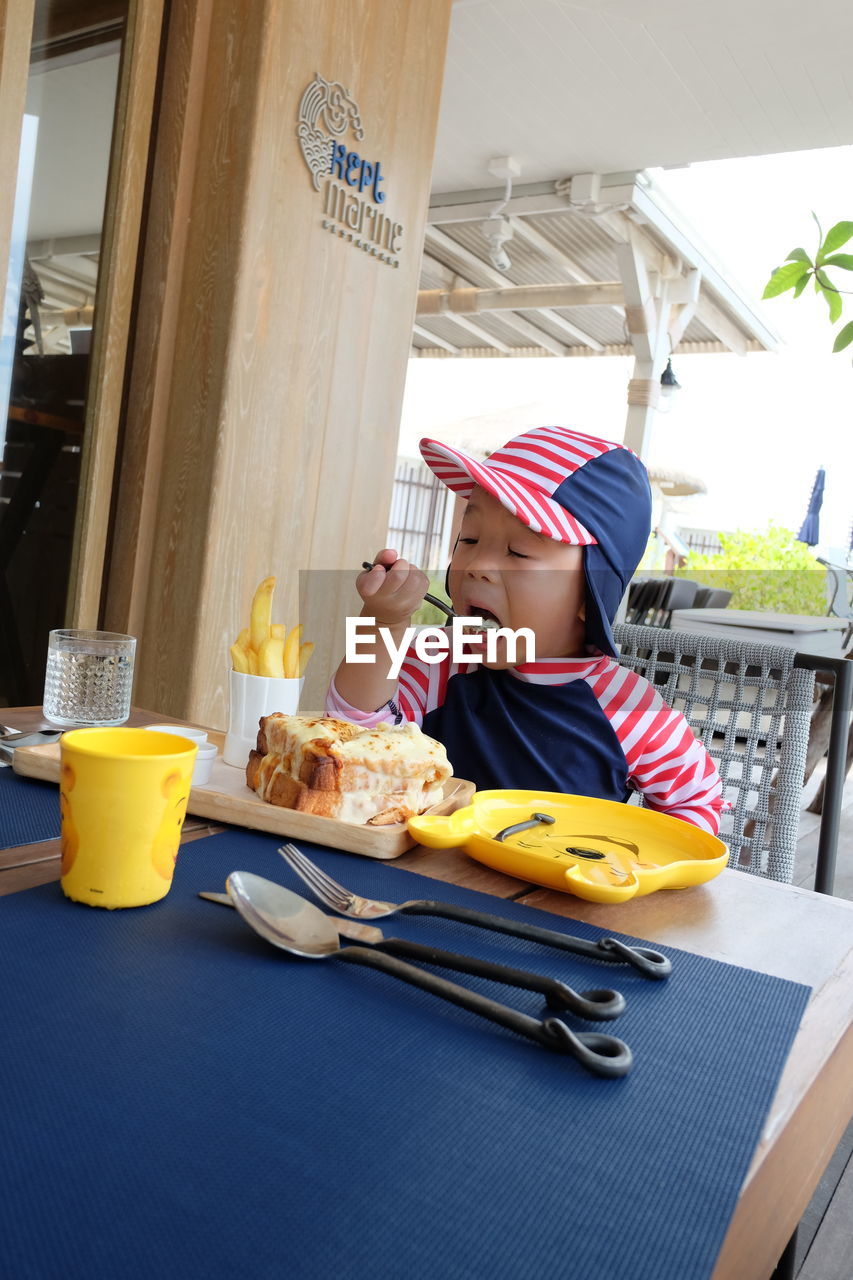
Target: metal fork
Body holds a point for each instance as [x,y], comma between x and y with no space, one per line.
[346,903]
[439,604]
[601,1005]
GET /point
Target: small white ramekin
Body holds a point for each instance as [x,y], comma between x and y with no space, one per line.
[181,730]
[204,763]
[205,755]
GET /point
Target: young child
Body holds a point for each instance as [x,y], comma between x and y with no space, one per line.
[555,526]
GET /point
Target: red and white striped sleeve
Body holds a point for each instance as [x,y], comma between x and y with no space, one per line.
[421,687]
[666,761]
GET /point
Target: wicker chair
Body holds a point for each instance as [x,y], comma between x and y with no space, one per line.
[644,596]
[751,707]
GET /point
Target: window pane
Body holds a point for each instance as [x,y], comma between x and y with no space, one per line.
[51,296]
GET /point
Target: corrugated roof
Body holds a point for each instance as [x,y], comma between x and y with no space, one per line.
[555,241]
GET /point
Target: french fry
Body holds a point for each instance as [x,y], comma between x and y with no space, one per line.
[291,653]
[305,651]
[261,614]
[239,659]
[271,657]
[268,648]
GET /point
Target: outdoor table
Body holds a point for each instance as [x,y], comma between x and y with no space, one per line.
[804,633]
[774,929]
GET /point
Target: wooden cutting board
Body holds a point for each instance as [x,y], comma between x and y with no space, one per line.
[226,798]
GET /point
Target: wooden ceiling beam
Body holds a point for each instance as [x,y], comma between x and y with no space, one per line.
[476,267]
[576,273]
[522,230]
[715,319]
[465,322]
[572,330]
[435,339]
[532,336]
[523,297]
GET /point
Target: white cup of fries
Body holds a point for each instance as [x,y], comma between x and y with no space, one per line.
[268,663]
[251,698]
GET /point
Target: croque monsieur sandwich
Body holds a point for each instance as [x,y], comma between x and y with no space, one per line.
[337,770]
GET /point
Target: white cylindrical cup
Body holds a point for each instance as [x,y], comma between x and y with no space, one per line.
[251,698]
[203,767]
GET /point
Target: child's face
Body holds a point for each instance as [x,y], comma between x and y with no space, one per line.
[502,569]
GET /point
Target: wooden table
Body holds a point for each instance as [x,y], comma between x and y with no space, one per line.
[806,634]
[773,928]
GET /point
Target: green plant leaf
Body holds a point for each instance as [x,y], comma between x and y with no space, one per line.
[833,301]
[837,236]
[844,260]
[798,255]
[784,278]
[819,231]
[845,337]
[833,297]
[801,284]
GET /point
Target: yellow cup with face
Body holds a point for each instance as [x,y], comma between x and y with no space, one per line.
[123,797]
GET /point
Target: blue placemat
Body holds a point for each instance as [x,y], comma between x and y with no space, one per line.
[181,1099]
[29,810]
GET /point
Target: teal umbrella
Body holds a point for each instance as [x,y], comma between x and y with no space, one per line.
[810,528]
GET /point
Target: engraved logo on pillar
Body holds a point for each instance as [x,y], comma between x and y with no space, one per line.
[352,187]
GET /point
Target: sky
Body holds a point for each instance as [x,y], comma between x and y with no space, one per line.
[753,429]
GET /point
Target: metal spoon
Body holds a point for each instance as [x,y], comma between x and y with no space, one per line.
[598,1005]
[30,737]
[297,926]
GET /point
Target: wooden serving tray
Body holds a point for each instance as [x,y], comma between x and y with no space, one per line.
[226,798]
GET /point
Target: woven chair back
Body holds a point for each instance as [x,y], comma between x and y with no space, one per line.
[751,707]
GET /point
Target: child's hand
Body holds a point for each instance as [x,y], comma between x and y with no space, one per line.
[392,590]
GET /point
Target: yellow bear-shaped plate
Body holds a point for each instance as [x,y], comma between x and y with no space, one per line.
[600,850]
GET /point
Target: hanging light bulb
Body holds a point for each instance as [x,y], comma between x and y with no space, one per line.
[669,384]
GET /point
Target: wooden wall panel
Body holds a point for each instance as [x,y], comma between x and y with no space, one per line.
[156,344]
[269,444]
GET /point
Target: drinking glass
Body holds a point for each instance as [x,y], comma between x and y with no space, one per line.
[89,678]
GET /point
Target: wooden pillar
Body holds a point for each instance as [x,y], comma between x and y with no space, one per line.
[112,326]
[274,321]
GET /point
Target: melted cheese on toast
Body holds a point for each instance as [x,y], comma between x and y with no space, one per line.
[336,769]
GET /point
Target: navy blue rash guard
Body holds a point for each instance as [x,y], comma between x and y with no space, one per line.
[503,732]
